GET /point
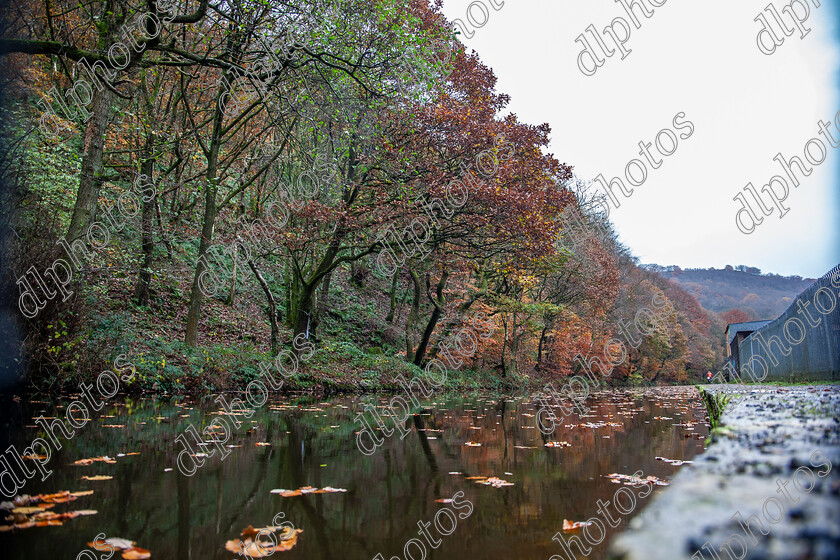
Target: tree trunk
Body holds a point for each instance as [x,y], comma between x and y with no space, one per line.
[90,181]
[232,292]
[272,310]
[162,232]
[196,296]
[304,305]
[438,302]
[393,305]
[144,278]
[325,294]
[514,346]
[411,321]
[209,219]
[540,346]
[504,347]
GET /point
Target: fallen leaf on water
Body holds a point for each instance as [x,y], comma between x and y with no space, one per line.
[27,510]
[31,511]
[97,477]
[34,457]
[675,462]
[495,482]
[472,444]
[86,462]
[113,425]
[263,547]
[136,553]
[306,490]
[635,480]
[558,444]
[474,477]
[523,447]
[262,443]
[115,542]
[444,501]
[574,525]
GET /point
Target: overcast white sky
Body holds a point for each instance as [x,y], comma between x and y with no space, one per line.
[699,58]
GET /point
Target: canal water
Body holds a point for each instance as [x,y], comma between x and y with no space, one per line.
[304,441]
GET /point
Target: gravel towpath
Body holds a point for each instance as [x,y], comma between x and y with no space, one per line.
[768,486]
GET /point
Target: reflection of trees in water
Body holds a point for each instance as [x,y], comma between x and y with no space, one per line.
[389,492]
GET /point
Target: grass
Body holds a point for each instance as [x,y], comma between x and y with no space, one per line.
[715,403]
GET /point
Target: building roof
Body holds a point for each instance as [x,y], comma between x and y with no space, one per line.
[732,329]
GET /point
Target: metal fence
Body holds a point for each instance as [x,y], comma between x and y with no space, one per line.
[801,344]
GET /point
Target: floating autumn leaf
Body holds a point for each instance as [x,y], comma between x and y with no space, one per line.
[262,444]
[558,444]
[286,539]
[31,511]
[444,501]
[574,525]
[113,542]
[675,462]
[136,553]
[57,498]
[635,480]
[474,477]
[113,425]
[52,516]
[34,457]
[524,447]
[306,490]
[472,444]
[86,462]
[27,510]
[97,477]
[494,482]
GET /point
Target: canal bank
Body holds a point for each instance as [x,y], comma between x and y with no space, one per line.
[766,487]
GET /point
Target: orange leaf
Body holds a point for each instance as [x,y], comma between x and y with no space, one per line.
[136,553]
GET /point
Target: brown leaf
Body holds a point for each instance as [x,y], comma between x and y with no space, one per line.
[262,548]
[136,553]
[27,510]
[249,531]
[495,482]
[97,477]
[574,525]
[86,462]
[306,490]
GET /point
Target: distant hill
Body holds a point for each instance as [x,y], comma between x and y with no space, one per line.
[759,296]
